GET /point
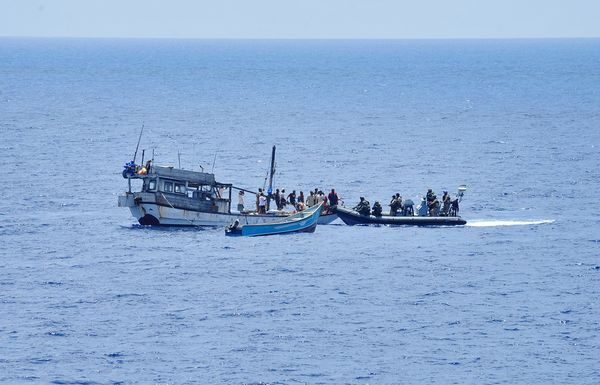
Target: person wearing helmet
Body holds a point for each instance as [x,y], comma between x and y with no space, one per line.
[377,209]
[446,202]
[363,207]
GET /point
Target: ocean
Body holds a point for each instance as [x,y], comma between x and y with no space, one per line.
[88,297]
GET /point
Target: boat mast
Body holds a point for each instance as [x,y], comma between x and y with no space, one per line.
[271,173]
[138,143]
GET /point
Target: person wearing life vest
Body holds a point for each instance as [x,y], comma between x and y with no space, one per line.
[446,202]
[333,198]
[430,195]
[395,204]
[377,209]
[434,206]
[363,207]
[454,208]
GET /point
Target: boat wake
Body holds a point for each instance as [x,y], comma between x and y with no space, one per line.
[487,223]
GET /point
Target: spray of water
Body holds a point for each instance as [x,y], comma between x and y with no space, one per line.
[490,223]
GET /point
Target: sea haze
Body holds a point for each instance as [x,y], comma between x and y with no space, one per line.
[87,297]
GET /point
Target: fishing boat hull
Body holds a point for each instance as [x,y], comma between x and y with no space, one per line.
[351,217]
[305,221]
[150,212]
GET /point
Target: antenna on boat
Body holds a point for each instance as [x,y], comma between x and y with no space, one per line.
[214,160]
[138,143]
[461,191]
[179,158]
[143,152]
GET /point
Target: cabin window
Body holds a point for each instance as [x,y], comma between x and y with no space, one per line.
[168,186]
[180,188]
[152,185]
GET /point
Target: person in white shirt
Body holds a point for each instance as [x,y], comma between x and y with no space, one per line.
[311,200]
[262,204]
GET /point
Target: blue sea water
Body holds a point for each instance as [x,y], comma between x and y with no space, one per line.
[87,297]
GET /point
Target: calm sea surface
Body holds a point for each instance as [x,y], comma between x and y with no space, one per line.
[87,297]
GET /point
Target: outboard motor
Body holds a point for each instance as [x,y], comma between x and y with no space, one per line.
[461,191]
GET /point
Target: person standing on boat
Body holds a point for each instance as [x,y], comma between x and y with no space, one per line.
[394,206]
[262,204]
[276,198]
[240,201]
[258,194]
[301,197]
[454,208]
[446,201]
[333,198]
[282,200]
[320,197]
[434,206]
[310,201]
[430,195]
[292,198]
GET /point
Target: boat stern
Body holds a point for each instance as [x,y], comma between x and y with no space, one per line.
[148,215]
[126,200]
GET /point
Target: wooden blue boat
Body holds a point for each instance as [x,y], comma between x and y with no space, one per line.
[304,221]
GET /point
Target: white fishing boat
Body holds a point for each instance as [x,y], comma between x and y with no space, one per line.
[175,197]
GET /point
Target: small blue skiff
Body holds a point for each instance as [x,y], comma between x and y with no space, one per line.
[304,221]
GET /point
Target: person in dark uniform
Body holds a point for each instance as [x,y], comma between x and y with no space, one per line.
[434,206]
[377,209]
[363,207]
[446,202]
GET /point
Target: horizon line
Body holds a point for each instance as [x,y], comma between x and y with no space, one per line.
[295,38]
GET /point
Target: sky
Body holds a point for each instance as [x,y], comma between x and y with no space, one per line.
[301,19]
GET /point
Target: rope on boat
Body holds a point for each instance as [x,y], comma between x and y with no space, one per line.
[165,198]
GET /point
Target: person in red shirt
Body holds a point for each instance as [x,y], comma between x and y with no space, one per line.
[333,198]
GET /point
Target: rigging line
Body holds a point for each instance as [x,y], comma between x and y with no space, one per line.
[138,143]
[165,198]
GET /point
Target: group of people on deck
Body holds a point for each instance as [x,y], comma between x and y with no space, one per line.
[298,201]
[397,207]
[448,206]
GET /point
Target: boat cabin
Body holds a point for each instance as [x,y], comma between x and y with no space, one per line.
[187,190]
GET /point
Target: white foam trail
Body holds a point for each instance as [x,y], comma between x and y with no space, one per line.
[477,223]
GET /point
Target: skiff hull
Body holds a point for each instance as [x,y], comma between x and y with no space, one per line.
[305,221]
